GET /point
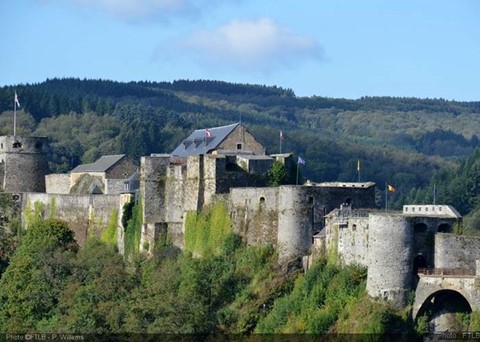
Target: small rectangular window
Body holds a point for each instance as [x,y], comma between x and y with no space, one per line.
[239,146]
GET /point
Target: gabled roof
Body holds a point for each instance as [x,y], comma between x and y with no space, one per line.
[101,165]
[203,140]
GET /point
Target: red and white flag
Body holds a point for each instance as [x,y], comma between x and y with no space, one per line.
[281,135]
[16,100]
[208,134]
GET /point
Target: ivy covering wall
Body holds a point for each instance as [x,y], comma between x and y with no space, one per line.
[206,231]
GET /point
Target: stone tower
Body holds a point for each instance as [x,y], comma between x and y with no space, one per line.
[23,163]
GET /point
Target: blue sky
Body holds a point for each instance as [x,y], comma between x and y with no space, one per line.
[334,48]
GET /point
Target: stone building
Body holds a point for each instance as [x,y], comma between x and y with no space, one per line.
[111,174]
[231,139]
[395,245]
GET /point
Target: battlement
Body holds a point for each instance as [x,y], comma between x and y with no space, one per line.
[19,144]
[23,163]
[431,210]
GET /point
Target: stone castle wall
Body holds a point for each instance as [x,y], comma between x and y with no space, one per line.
[254,214]
[85,215]
[352,237]
[456,251]
[57,183]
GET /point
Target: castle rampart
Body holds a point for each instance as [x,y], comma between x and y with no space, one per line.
[456,251]
[86,215]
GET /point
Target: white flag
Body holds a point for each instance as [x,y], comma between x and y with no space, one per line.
[16,100]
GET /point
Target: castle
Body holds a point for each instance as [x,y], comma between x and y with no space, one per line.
[227,164]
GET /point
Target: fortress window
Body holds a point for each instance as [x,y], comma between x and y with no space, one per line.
[239,146]
[420,228]
[354,227]
[262,200]
[444,228]
[310,200]
[17,144]
[1,146]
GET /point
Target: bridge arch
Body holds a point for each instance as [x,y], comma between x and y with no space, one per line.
[440,309]
[428,292]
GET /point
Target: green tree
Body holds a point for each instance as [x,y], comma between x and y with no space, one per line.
[36,276]
[277,174]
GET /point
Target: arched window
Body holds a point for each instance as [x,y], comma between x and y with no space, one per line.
[444,228]
[420,228]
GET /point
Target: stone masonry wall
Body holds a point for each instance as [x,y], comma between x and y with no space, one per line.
[353,241]
[294,222]
[456,251]
[57,183]
[241,136]
[85,215]
[153,176]
[254,213]
[174,198]
[390,257]
[121,170]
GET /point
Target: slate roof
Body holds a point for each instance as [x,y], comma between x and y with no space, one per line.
[101,165]
[199,143]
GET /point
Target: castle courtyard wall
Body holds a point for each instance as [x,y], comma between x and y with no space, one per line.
[85,215]
[57,183]
[456,251]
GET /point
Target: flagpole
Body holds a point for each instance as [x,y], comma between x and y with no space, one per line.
[298,167]
[358,170]
[281,137]
[15,115]
[386,197]
[434,194]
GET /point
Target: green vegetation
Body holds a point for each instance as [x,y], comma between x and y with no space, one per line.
[205,232]
[133,228]
[277,175]
[109,235]
[404,141]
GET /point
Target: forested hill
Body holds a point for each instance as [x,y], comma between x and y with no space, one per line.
[402,141]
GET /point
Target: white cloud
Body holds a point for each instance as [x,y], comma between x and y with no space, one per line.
[248,45]
[141,10]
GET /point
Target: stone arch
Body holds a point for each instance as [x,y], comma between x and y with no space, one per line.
[419,262]
[426,291]
[348,201]
[443,303]
[444,228]
[420,228]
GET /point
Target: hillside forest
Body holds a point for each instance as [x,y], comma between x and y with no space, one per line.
[412,144]
[415,145]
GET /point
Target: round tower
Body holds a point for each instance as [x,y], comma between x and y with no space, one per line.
[294,222]
[23,163]
[390,257]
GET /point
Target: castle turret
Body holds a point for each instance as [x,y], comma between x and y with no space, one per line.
[23,163]
[390,257]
